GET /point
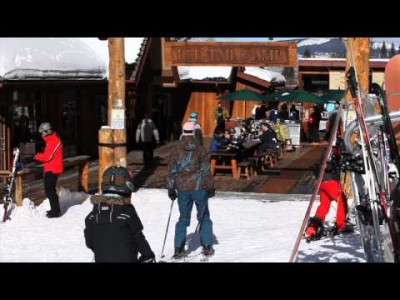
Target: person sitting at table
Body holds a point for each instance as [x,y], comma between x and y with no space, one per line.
[268,139]
[236,143]
[244,132]
[221,141]
[226,139]
[217,141]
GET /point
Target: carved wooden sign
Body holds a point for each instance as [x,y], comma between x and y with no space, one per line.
[279,54]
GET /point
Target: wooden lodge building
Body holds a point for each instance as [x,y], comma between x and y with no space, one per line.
[323,74]
[169,79]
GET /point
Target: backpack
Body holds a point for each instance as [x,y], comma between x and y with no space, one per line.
[147,133]
[117,180]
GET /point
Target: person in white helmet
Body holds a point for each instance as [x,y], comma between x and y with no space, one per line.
[189,178]
[194,116]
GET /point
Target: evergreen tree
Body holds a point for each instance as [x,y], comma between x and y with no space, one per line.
[307,53]
[371,49]
[289,74]
[383,50]
[392,50]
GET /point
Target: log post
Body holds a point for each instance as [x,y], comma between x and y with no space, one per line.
[358,52]
[116,80]
[18,190]
[119,140]
[106,153]
[116,97]
[114,135]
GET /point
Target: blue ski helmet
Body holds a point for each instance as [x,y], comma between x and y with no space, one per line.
[194,115]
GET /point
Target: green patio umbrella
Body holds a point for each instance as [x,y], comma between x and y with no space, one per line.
[333,96]
[298,96]
[243,94]
[277,96]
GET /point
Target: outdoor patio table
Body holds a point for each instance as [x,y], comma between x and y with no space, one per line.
[232,155]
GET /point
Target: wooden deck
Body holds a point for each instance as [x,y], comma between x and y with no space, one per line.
[292,175]
[288,177]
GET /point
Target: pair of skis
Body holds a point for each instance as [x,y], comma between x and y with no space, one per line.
[188,258]
[8,200]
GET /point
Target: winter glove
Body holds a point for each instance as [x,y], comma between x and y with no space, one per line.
[172,194]
[211,193]
[148,259]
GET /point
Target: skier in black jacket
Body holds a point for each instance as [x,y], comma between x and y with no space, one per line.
[113,229]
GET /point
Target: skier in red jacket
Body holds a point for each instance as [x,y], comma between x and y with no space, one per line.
[52,157]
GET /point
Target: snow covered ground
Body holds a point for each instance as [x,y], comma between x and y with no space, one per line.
[247,228]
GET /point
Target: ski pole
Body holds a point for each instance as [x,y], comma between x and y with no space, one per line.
[166,231]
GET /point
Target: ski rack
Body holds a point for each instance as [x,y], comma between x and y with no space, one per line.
[390,248]
[380,242]
[371,121]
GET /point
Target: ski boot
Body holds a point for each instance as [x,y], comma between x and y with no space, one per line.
[52,214]
[315,229]
[208,250]
[179,253]
[348,228]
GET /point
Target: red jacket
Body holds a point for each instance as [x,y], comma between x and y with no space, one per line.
[52,157]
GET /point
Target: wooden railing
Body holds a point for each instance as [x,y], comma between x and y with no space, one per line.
[82,162]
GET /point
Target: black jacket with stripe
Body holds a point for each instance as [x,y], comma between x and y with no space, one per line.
[113,231]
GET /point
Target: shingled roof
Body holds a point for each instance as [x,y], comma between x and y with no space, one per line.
[140,60]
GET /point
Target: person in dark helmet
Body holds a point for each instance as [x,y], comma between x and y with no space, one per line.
[113,230]
[189,178]
[52,157]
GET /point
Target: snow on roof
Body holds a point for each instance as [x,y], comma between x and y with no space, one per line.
[132,47]
[339,59]
[39,58]
[200,73]
[322,58]
[265,74]
[313,41]
[59,58]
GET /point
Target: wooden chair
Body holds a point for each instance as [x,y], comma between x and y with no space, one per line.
[245,169]
[254,165]
[269,159]
[288,145]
